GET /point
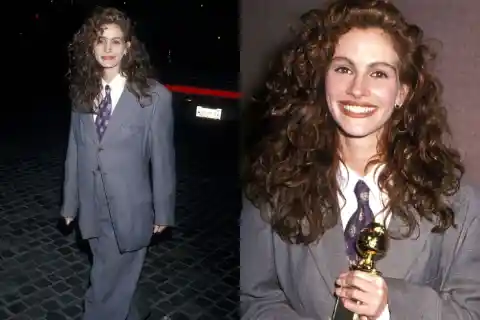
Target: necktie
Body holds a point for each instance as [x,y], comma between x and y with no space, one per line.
[104,112]
[361,218]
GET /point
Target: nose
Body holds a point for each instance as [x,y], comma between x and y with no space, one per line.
[108,46]
[358,87]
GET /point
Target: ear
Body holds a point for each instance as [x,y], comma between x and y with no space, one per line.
[128,44]
[402,94]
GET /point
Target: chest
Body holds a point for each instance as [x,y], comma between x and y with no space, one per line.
[308,273]
[128,121]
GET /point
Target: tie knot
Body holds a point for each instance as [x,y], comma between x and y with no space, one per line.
[107,89]
[362,191]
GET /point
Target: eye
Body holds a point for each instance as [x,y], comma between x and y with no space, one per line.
[380,74]
[342,70]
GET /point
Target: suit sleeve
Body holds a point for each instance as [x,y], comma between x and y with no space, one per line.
[163,159]
[70,185]
[260,294]
[459,295]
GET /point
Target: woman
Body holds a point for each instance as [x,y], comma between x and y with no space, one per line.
[357,135]
[121,122]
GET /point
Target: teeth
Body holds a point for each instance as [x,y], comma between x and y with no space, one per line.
[358,109]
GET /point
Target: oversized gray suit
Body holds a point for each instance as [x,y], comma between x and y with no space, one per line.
[429,276]
[109,183]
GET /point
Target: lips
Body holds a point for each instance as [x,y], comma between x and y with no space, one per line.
[108,57]
[357,109]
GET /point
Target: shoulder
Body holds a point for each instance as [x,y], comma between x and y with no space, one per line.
[466,204]
[159,90]
[161,100]
[253,216]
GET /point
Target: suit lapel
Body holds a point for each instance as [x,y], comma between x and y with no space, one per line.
[330,257]
[121,114]
[329,254]
[402,253]
[90,132]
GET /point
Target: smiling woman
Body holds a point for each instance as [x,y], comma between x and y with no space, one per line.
[363,86]
[121,123]
[106,40]
[357,136]
[111,47]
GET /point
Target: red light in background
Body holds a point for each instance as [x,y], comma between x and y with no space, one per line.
[37,16]
[204,91]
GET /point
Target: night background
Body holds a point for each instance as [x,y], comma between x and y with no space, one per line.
[191,272]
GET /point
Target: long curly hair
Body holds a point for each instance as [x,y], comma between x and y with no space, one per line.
[293,169]
[85,72]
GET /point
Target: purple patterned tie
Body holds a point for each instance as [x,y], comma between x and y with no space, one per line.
[104,112]
[362,217]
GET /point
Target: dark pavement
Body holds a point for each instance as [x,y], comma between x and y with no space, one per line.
[44,273]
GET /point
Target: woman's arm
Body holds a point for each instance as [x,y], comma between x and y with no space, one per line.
[459,296]
[260,294]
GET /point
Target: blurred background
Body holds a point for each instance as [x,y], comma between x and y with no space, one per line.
[192,271]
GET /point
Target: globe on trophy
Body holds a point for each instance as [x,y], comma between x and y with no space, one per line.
[372,245]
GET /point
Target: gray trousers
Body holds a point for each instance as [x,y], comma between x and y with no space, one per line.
[113,276]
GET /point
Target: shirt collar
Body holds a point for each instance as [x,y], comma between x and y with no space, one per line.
[117,82]
[348,178]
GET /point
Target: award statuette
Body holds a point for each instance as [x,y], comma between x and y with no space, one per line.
[372,245]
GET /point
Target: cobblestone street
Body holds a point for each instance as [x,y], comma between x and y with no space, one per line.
[191,275]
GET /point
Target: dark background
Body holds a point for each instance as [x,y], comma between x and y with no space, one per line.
[190,41]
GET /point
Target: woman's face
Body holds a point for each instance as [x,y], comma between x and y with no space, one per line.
[110,47]
[362,83]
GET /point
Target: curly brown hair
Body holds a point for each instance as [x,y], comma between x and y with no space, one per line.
[85,73]
[293,170]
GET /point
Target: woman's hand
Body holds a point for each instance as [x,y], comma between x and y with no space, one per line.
[363,293]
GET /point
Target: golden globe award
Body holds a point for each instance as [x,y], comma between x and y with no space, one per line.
[372,245]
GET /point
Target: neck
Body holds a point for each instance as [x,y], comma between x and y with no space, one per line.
[109,74]
[358,152]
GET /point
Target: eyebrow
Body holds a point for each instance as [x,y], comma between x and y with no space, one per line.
[114,38]
[370,65]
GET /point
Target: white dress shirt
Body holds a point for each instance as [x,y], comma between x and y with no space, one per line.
[347,179]
[117,85]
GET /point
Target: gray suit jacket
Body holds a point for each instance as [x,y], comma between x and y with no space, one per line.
[429,276]
[135,138]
